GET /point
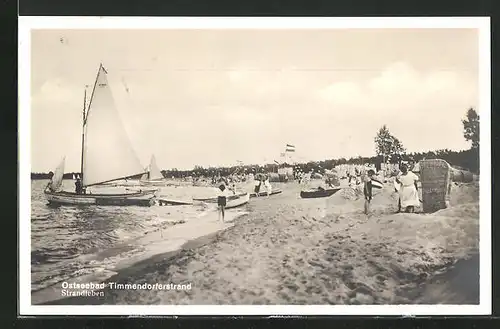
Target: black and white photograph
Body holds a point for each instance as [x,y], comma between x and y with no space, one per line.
[294,166]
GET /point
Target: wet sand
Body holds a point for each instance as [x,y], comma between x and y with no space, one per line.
[288,250]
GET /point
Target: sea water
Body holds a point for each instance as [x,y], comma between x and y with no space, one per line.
[65,240]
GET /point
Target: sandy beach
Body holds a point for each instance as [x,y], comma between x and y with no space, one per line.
[288,250]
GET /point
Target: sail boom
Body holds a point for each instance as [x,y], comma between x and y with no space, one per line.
[114,179]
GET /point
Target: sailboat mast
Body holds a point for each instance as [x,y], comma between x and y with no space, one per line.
[83,131]
[85,114]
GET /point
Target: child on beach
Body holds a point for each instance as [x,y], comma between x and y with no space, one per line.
[370,183]
[222,201]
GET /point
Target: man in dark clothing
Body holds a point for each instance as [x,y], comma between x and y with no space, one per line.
[78,186]
[370,183]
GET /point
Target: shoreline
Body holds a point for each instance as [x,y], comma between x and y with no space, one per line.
[157,249]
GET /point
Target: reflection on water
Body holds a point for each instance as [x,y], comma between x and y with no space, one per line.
[63,238]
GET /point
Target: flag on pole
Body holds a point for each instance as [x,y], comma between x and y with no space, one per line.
[290,148]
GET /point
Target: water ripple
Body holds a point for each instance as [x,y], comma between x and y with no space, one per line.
[64,238]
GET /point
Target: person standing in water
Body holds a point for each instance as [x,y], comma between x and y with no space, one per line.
[408,190]
[370,183]
[222,201]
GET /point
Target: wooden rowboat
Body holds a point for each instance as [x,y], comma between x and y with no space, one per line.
[139,198]
[273,192]
[172,202]
[238,202]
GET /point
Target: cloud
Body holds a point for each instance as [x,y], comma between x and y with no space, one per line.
[56,90]
[398,87]
[396,79]
[341,92]
[415,105]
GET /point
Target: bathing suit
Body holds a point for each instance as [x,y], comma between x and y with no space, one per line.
[221,201]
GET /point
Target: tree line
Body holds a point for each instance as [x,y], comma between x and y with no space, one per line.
[388,149]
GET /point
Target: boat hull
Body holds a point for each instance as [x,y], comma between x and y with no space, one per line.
[141,198]
[233,201]
[318,193]
[214,200]
[273,192]
[171,202]
[238,202]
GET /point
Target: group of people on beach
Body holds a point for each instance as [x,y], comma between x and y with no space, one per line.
[262,182]
[405,184]
[224,191]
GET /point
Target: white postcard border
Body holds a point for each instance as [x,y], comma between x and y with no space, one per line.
[26,24]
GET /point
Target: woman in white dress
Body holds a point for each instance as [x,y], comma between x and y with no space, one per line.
[268,186]
[408,190]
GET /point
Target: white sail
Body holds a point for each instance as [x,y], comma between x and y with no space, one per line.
[107,154]
[154,171]
[57,179]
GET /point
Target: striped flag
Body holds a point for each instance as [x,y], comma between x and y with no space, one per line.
[290,148]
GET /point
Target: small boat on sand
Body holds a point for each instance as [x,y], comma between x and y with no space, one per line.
[319,193]
[233,201]
[106,157]
[273,192]
[172,202]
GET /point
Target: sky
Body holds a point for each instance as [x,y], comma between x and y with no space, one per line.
[213,97]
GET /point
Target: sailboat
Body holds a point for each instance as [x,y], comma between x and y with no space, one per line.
[153,176]
[106,156]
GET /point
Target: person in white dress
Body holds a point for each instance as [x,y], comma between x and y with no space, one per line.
[267,185]
[408,190]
